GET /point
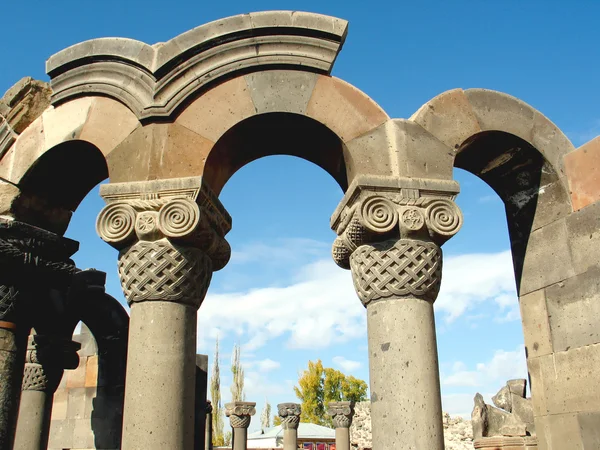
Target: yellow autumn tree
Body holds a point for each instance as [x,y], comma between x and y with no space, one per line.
[318,385]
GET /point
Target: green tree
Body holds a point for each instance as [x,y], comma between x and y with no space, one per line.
[276,421]
[265,416]
[237,386]
[318,385]
[215,395]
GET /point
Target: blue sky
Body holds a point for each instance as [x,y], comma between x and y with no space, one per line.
[281,296]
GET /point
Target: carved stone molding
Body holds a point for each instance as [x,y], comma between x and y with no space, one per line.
[170,234]
[341,413]
[31,257]
[240,413]
[290,415]
[45,361]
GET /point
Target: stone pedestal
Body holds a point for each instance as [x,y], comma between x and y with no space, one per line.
[342,414]
[240,414]
[389,232]
[46,360]
[169,248]
[506,443]
[290,419]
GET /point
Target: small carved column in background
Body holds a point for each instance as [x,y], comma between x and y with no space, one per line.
[342,414]
[32,261]
[389,232]
[170,234]
[240,414]
[290,419]
[209,431]
[46,359]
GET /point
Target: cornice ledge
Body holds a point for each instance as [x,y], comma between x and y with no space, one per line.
[153,81]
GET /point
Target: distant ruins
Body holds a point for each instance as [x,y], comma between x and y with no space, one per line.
[168,124]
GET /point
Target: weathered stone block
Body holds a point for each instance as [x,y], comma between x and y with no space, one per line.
[449,117]
[281,90]
[583,172]
[419,154]
[559,432]
[589,427]
[584,237]
[76,377]
[219,109]
[372,150]
[565,382]
[536,328]
[552,204]
[498,111]
[76,403]
[59,404]
[348,112]
[548,258]
[574,310]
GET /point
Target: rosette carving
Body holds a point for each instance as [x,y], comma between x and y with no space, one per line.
[290,415]
[116,223]
[341,413]
[240,413]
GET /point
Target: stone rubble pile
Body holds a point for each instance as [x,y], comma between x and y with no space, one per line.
[458,434]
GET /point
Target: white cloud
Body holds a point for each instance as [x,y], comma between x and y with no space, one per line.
[503,366]
[267,365]
[282,250]
[315,310]
[346,364]
[475,278]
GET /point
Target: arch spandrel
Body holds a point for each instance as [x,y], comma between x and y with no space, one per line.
[456,115]
[101,121]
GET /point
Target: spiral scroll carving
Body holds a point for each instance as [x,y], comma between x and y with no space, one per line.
[341,413]
[443,217]
[379,214]
[290,415]
[240,413]
[116,222]
[179,217]
[397,268]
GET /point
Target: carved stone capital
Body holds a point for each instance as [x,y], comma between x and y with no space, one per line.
[240,413]
[31,254]
[341,413]
[380,209]
[183,211]
[170,234]
[45,361]
[290,415]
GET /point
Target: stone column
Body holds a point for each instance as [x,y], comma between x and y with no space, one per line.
[46,360]
[389,234]
[32,261]
[170,237]
[290,419]
[240,414]
[341,413]
[209,431]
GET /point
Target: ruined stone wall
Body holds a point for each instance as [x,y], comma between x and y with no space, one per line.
[561,314]
[85,415]
[458,434]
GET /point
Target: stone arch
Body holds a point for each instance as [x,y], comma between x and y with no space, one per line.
[518,152]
